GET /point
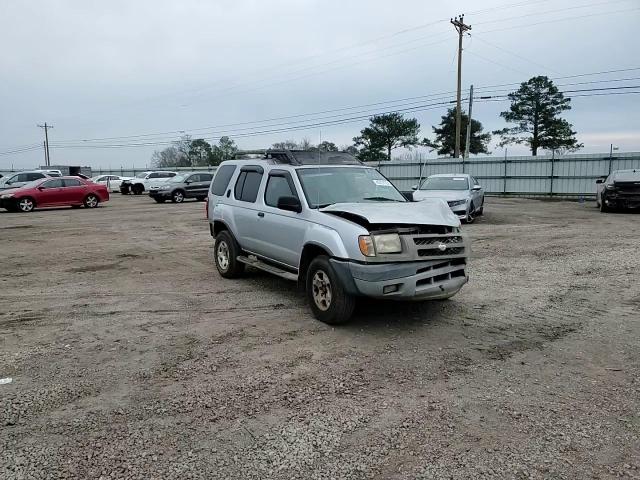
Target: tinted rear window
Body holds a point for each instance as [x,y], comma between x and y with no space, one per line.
[248,185]
[69,182]
[222,179]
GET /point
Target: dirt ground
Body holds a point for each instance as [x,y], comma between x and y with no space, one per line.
[132,358]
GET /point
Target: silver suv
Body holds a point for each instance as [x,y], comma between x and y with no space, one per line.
[339,228]
[20,179]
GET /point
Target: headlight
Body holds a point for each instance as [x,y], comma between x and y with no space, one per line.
[164,187]
[610,186]
[370,245]
[455,203]
[387,243]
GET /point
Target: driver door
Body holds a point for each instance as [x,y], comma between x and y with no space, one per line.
[50,193]
[281,231]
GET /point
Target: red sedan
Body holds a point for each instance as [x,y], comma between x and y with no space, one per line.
[54,192]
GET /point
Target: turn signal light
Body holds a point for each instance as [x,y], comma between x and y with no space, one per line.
[366,246]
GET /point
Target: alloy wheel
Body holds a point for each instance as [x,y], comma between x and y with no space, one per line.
[322,290]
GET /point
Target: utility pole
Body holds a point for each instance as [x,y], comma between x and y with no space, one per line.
[46,142]
[44,149]
[461,28]
[467,144]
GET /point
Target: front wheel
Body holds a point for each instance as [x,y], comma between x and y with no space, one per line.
[177,197]
[226,251]
[603,206]
[26,204]
[326,295]
[91,201]
[137,189]
[469,218]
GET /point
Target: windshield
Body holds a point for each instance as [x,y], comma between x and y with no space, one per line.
[141,175]
[445,183]
[178,178]
[327,185]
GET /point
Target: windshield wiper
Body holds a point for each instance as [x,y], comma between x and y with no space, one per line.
[382,199]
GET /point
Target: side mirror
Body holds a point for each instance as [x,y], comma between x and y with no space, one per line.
[40,188]
[600,180]
[414,187]
[291,204]
[476,188]
[187,182]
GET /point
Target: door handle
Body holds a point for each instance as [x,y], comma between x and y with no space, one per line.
[261,214]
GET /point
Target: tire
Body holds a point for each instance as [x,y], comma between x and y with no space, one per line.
[25,204]
[137,189]
[325,293]
[480,211]
[177,196]
[225,255]
[91,201]
[470,218]
[160,200]
[603,206]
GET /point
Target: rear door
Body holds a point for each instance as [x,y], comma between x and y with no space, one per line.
[203,184]
[245,211]
[73,190]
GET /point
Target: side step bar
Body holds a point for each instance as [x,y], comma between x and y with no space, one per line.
[254,262]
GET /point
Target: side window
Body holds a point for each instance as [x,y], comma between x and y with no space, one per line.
[248,184]
[155,175]
[23,177]
[101,179]
[57,183]
[206,177]
[222,179]
[167,174]
[193,178]
[278,185]
[70,182]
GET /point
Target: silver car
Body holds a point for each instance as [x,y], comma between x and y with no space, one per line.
[337,227]
[461,191]
[20,179]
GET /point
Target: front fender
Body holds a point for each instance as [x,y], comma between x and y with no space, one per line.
[326,238]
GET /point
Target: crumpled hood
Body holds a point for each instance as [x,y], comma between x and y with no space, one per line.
[428,212]
[447,195]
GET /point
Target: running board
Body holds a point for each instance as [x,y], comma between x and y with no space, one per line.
[254,262]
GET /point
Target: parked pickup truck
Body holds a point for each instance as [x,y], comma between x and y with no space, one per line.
[338,228]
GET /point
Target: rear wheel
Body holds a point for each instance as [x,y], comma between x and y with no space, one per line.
[26,204]
[177,196]
[226,251]
[91,201]
[328,300]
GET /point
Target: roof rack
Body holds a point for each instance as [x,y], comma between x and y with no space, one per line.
[310,157]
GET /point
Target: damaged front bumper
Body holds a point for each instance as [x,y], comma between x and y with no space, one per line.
[419,280]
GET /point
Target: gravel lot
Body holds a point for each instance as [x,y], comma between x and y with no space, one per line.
[132,358]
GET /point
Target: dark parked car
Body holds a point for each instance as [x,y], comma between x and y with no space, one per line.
[621,189]
[54,192]
[188,185]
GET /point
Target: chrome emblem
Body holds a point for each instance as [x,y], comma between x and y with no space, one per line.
[442,247]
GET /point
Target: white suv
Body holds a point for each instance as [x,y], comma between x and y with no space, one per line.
[20,179]
[142,181]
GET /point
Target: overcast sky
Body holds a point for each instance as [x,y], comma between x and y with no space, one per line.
[117,68]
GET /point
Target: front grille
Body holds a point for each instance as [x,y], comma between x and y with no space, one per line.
[421,241]
[453,272]
[436,252]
